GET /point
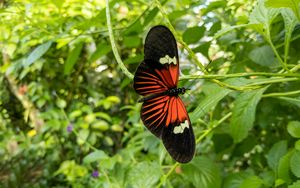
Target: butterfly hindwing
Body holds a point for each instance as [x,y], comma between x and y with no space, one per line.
[154,113]
[167,118]
[178,136]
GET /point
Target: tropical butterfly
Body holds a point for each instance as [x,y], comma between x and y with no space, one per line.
[163,112]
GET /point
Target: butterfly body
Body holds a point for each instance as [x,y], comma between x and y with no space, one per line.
[175,91]
[163,111]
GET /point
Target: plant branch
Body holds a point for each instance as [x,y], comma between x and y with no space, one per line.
[280,94]
[113,44]
[215,76]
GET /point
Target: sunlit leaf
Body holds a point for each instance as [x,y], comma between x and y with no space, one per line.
[291,4]
[213,5]
[95,156]
[262,17]
[100,125]
[253,182]
[294,129]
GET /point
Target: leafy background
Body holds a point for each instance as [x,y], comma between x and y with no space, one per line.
[69,116]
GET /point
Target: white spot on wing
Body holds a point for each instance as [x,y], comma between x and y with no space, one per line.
[168,59]
[180,128]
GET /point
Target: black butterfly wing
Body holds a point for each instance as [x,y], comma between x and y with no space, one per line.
[165,116]
[178,136]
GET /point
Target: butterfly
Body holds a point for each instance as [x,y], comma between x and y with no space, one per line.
[163,112]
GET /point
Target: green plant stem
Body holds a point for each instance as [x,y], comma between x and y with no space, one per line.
[113,44]
[282,94]
[293,39]
[209,130]
[269,40]
[216,76]
[295,68]
[163,179]
[271,81]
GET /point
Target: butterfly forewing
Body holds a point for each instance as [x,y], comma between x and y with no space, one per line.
[163,114]
[147,81]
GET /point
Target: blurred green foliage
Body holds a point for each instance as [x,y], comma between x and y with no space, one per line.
[69,116]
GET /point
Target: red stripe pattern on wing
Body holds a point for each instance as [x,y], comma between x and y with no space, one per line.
[149,81]
[162,111]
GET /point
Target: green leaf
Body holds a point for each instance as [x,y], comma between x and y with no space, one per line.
[100,125]
[291,4]
[203,48]
[132,41]
[102,49]
[295,184]
[284,168]
[234,180]
[294,129]
[58,3]
[230,28]
[144,173]
[253,182]
[82,136]
[176,14]
[72,58]
[264,56]
[37,53]
[295,163]
[97,155]
[213,5]
[202,172]
[297,145]
[215,94]
[61,103]
[243,114]
[281,3]
[134,59]
[262,17]
[276,152]
[193,34]
[290,21]
[71,170]
[150,16]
